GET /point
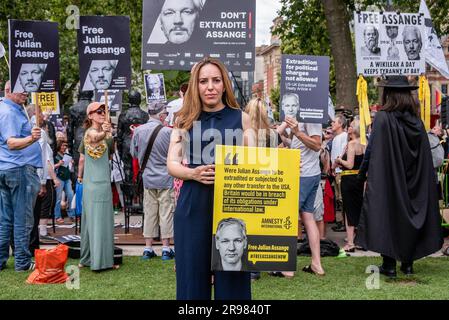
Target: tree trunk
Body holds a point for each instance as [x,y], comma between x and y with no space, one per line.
[337,21]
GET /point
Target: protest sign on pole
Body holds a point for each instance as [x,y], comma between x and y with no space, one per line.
[104,49]
[106,106]
[114,99]
[255,222]
[178,33]
[34,56]
[155,87]
[389,43]
[305,88]
[48,102]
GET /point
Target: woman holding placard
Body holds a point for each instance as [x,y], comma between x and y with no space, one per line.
[97,224]
[209,105]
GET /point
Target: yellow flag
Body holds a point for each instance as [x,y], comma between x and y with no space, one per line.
[424,100]
[365,117]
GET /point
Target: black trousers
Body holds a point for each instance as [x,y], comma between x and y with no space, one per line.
[43,209]
[390,263]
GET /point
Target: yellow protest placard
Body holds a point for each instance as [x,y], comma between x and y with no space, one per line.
[48,102]
[256,200]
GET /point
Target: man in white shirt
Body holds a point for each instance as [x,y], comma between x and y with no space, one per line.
[175,105]
[307,138]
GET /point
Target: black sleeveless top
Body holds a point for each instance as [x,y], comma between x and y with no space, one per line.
[357,161]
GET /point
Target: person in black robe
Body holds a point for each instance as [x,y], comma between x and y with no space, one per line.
[400,215]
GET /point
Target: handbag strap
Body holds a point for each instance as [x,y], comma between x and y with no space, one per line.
[149,147]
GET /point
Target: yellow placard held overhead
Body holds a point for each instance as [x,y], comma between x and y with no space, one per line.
[256,205]
[48,102]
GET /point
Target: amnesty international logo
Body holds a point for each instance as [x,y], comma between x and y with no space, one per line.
[287,223]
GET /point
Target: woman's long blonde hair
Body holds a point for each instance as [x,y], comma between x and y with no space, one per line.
[257,111]
[192,105]
[355,124]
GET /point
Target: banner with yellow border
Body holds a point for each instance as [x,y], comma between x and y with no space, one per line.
[255,222]
[48,102]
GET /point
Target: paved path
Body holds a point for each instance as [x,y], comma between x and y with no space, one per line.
[338,237]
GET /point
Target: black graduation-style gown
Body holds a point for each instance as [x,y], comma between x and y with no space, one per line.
[400,215]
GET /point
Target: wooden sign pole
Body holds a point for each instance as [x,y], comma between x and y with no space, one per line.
[36,112]
[106,105]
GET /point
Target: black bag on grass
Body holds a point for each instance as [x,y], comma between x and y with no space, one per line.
[328,248]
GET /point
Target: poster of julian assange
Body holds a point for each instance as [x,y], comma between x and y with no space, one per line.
[104,49]
[304,88]
[178,33]
[389,43]
[34,56]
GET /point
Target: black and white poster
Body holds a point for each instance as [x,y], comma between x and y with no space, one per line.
[104,49]
[305,88]
[114,99]
[389,43]
[58,122]
[155,87]
[178,33]
[34,56]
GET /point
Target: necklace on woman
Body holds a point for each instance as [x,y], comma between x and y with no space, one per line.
[97,151]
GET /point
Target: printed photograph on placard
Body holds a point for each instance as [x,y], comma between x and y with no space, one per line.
[389,43]
[155,87]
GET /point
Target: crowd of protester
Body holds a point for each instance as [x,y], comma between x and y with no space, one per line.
[37,173]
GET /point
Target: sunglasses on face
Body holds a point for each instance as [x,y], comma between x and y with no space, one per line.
[99,111]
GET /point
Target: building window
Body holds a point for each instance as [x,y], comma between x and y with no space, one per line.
[444,89]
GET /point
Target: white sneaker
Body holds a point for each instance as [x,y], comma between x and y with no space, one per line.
[30,268]
[43,230]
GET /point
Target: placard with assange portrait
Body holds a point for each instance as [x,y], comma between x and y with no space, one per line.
[255,218]
[155,87]
[305,88]
[104,50]
[34,56]
[178,33]
[389,43]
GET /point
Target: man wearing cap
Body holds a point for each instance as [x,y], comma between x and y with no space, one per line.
[20,156]
[158,184]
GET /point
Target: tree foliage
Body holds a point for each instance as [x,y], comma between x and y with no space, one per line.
[304,30]
[55,10]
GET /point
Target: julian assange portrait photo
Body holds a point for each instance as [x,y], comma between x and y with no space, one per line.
[155,87]
[411,38]
[231,243]
[30,77]
[100,74]
[177,22]
[290,105]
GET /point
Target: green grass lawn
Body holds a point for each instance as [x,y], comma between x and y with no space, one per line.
[155,280]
